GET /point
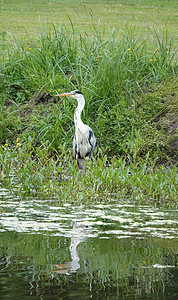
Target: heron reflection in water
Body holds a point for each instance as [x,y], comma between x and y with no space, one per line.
[73,265]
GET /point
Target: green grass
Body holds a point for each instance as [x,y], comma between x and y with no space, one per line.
[129,80]
[112,73]
[20,16]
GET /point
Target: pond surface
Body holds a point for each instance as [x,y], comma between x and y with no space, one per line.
[113,250]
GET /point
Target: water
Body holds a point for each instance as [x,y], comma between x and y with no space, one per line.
[112,250]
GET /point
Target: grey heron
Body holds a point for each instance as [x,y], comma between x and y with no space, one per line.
[84,140]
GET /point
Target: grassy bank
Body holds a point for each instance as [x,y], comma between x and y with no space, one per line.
[123,79]
[129,82]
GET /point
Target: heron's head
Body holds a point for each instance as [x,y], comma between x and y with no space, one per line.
[74,94]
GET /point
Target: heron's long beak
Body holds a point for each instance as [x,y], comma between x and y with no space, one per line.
[64,95]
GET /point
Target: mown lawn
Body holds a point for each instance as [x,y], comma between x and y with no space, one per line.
[20,16]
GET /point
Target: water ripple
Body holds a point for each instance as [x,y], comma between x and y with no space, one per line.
[121,220]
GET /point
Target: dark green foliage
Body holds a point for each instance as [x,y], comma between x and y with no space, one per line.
[115,75]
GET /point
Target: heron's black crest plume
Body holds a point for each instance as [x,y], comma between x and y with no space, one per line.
[78,92]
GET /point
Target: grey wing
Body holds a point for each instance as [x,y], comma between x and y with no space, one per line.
[75,146]
[91,140]
[86,145]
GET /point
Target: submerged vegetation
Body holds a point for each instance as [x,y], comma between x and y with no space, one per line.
[129,84]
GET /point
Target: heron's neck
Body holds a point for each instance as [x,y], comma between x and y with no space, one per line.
[78,111]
